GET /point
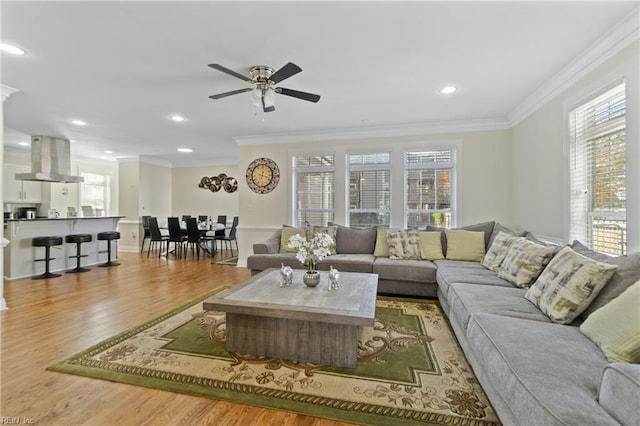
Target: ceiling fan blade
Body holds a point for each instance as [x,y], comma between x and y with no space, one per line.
[233,92]
[230,72]
[285,72]
[297,94]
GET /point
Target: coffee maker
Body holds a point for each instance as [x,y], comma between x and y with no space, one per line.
[27,212]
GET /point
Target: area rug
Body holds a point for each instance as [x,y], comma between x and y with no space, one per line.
[410,368]
[229,261]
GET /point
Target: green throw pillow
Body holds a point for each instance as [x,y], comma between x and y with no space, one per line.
[431,245]
[498,251]
[568,285]
[288,233]
[616,327]
[382,248]
[524,261]
[465,245]
[404,244]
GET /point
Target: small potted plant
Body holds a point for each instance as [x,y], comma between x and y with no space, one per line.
[309,252]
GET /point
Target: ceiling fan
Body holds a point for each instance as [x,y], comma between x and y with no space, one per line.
[264,80]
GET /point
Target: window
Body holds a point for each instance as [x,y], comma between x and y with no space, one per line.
[597,172]
[94,192]
[430,188]
[314,191]
[369,189]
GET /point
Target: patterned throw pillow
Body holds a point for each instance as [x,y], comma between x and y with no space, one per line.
[616,327]
[524,261]
[498,250]
[404,244]
[332,230]
[431,245]
[568,285]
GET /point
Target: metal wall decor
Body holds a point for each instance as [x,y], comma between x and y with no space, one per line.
[222,181]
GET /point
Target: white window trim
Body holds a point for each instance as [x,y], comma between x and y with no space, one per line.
[293,192]
[367,167]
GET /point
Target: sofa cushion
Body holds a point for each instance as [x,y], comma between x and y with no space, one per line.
[420,271]
[486,227]
[404,244]
[547,373]
[568,285]
[347,263]
[430,245]
[524,261]
[355,241]
[628,273]
[260,262]
[465,245]
[466,272]
[616,327]
[498,251]
[619,390]
[466,300]
[498,228]
[381,248]
[287,233]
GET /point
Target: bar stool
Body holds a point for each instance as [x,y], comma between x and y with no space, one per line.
[47,243]
[78,239]
[108,236]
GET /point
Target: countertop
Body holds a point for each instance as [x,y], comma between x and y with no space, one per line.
[64,218]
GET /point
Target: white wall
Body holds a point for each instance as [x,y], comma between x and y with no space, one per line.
[188,199]
[484,176]
[540,153]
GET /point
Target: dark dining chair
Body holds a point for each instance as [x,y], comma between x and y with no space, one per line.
[203,219]
[220,234]
[194,237]
[176,236]
[185,217]
[145,231]
[156,236]
[231,237]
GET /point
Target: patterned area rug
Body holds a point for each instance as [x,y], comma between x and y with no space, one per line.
[410,368]
[229,261]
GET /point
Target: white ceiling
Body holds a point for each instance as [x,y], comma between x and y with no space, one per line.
[125,67]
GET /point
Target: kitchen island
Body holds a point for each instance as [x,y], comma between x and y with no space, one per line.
[19,255]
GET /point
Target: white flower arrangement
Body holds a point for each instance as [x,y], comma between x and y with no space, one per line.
[310,251]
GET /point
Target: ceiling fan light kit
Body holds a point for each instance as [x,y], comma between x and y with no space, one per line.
[264,79]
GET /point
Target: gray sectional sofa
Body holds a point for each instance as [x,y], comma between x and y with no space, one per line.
[534,371]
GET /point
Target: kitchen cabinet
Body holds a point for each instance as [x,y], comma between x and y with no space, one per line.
[19,191]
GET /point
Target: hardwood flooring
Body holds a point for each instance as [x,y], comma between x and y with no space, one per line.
[48,320]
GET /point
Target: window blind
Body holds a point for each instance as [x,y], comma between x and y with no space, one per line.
[430,188]
[314,189]
[369,189]
[597,172]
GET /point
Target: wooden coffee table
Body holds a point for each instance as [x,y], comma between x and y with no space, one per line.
[298,323]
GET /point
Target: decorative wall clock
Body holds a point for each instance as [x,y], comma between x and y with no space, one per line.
[263,175]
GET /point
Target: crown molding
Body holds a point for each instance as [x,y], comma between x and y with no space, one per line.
[606,47]
[7,91]
[374,132]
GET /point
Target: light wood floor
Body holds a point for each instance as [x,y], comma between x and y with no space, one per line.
[48,320]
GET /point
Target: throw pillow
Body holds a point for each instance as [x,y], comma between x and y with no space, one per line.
[524,261]
[288,233]
[616,327]
[404,244]
[332,231]
[431,245]
[628,273]
[568,285]
[382,248]
[498,250]
[356,241]
[498,227]
[465,245]
[486,227]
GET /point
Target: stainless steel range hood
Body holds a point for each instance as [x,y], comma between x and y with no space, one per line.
[50,161]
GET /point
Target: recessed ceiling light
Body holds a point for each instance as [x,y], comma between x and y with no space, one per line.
[14,50]
[24,143]
[79,122]
[177,118]
[108,152]
[448,90]
[185,150]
